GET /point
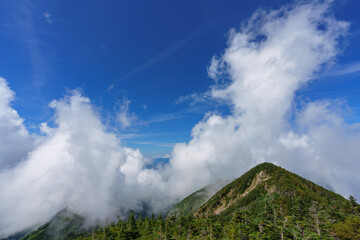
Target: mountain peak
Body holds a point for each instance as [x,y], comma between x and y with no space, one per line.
[265,180]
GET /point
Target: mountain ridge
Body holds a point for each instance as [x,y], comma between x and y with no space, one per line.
[266,202]
[64,225]
[269,179]
[192,202]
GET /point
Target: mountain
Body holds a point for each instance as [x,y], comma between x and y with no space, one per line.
[267,202]
[269,184]
[18,235]
[274,199]
[192,203]
[68,225]
[64,225]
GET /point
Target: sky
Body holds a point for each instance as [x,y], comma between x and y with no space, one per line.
[91,92]
[136,57]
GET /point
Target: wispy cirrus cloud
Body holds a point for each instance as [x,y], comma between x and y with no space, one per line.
[165,53]
[163,118]
[48,16]
[124,117]
[130,136]
[157,144]
[171,116]
[22,24]
[345,69]
[195,98]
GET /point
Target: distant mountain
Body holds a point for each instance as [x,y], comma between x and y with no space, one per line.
[18,235]
[68,225]
[64,225]
[192,203]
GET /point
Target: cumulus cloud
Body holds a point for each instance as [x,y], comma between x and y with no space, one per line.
[267,60]
[80,164]
[15,140]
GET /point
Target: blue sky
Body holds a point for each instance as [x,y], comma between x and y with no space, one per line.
[144,53]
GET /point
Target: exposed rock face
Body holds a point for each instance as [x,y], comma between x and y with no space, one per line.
[259,178]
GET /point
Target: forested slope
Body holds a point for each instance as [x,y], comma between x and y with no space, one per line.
[267,202]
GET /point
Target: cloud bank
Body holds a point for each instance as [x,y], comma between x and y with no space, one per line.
[80,164]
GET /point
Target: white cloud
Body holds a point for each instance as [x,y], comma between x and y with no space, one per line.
[144,106]
[47,16]
[15,140]
[110,87]
[346,69]
[165,53]
[273,55]
[78,165]
[124,117]
[194,98]
[21,24]
[216,69]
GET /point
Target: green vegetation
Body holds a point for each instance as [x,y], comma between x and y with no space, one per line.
[282,187]
[18,235]
[267,202]
[193,202]
[64,225]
